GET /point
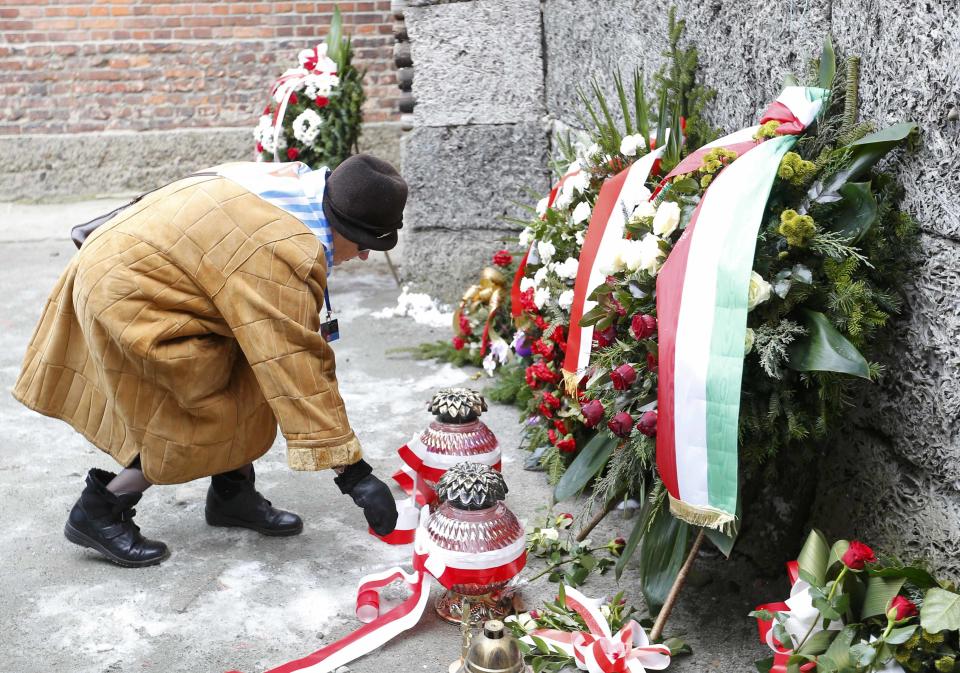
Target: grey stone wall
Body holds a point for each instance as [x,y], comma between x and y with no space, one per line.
[51,166]
[895,479]
[480,137]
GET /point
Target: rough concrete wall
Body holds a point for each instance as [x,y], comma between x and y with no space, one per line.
[479,138]
[119,163]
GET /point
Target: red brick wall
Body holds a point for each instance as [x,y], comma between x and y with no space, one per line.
[93,65]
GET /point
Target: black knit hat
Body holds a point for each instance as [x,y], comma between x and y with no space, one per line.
[363,201]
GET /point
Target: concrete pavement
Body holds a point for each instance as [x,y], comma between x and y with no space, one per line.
[230,599]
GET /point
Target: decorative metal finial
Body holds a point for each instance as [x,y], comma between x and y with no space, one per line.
[471,486]
[457,405]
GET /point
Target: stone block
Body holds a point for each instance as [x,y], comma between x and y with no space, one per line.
[463,181]
[909,73]
[80,165]
[476,62]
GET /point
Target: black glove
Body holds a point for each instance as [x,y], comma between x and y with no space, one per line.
[370,494]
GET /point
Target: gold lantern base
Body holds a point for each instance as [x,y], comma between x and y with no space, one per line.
[496,605]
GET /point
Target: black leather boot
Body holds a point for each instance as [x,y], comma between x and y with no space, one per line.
[103,521]
[232,501]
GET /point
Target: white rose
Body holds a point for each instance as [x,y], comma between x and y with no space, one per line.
[581,213]
[526,236]
[632,254]
[540,296]
[527,283]
[759,291]
[630,144]
[565,300]
[613,262]
[652,255]
[542,206]
[748,341]
[666,219]
[643,210]
[546,250]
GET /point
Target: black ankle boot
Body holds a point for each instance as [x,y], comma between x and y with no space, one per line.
[232,501]
[103,521]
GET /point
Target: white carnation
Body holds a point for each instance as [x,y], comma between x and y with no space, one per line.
[758,292]
[542,206]
[549,534]
[630,144]
[526,236]
[581,213]
[540,276]
[565,300]
[527,283]
[540,296]
[580,235]
[306,127]
[667,218]
[567,269]
[579,182]
[563,200]
[546,250]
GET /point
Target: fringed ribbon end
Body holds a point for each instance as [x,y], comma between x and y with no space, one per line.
[704,516]
[571,382]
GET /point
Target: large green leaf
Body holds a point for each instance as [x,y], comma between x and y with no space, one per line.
[940,611]
[863,154]
[813,557]
[334,36]
[585,466]
[824,349]
[837,656]
[880,591]
[828,64]
[857,212]
[817,643]
[639,528]
[662,554]
[916,576]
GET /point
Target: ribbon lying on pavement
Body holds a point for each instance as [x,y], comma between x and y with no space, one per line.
[429,561]
[599,650]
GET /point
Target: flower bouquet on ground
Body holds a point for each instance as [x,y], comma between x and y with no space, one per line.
[314,115]
[852,612]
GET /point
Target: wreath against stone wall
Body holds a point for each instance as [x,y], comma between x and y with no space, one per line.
[494,80]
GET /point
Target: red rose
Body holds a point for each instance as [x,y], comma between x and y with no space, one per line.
[542,348]
[604,338]
[903,606]
[651,362]
[502,258]
[618,307]
[616,546]
[621,424]
[561,427]
[534,614]
[465,325]
[567,445]
[292,153]
[623,377]
[321,101]
[642,326]
[293,99]
[592,413]
[552,436]
[259,147]
[458,343]
[648,423]
[858,555]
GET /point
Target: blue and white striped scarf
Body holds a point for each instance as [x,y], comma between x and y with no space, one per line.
[292,187]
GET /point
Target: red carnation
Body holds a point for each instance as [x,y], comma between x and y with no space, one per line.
[561,427]
[502,258]
[542,348]
[292,153]
[858,555]
[903,608]
[623,377]
[543,373]
[551,400]
[266,110]
[539,321]
[530,378]
[651,362]
[556,336]
[321,101]
[642,326]
[552,436]
[545,411]
[259,147]
[567,445]
[458,343]
[605,337]
[465,325]
[293,98]
[648,423]
[526,301]
[621,424]
[592,413]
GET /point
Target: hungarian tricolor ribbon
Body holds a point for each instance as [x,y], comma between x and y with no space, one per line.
[802,622]
[430,561]
[618,197]
[515,306]
[599,650]
[702,318]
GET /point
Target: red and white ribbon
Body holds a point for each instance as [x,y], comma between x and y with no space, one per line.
[312,62]
[429,560]
[599,650]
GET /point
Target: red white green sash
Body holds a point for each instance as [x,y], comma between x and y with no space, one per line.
[702,316]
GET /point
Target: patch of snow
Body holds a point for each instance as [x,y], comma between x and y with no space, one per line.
[423,308]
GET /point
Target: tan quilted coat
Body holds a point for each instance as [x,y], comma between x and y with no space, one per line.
[184,330]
